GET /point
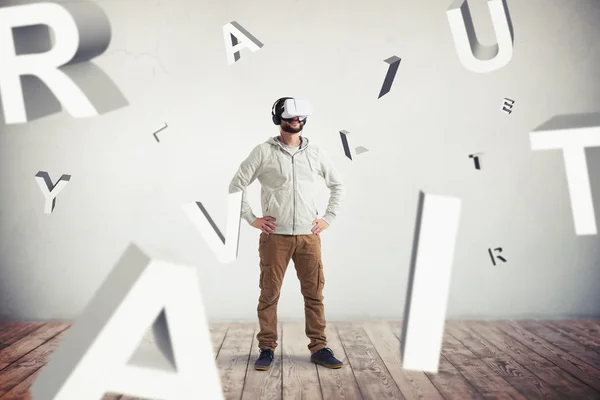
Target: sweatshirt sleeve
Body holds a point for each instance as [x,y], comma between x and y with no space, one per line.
[245,175]
[334,183]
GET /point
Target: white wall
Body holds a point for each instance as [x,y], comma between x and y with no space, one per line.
[169,61]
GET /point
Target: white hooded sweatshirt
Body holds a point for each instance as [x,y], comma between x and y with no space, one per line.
[288,182]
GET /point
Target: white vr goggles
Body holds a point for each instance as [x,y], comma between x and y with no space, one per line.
[296,108]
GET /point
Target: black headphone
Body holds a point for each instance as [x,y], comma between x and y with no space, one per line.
[276,116]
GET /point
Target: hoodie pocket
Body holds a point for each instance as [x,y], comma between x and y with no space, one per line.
[280,205]
[269,203]
[310,163]
[314,166]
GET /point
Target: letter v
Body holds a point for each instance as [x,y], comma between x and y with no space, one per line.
[226,250]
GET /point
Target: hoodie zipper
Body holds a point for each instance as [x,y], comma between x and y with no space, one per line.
[294,186]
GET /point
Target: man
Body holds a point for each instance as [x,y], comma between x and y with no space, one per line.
[288,167]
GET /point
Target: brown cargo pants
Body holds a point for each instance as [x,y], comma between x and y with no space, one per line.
[275,253]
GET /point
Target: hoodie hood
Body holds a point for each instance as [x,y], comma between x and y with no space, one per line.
[275,142]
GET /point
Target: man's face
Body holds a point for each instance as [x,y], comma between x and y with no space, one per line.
[292,125]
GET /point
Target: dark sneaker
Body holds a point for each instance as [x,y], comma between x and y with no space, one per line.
[264,360]
[325,358]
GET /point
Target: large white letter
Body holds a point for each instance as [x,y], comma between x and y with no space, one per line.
[81,32]
[472,54]
[429,282]
[226,250]
[93,356]
[572,134]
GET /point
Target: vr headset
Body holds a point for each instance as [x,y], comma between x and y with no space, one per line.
[287,108]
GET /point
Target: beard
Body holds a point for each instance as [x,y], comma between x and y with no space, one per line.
[289,129]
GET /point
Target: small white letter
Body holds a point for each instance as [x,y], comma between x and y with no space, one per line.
[49,190]
[237,38]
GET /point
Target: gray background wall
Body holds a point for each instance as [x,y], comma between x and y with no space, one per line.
[169,61]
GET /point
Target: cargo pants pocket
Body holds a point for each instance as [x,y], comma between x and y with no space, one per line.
[261,243]
[261,278]
[321,279]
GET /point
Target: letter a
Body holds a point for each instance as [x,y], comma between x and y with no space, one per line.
[472,54]
[237,38]
[93,356]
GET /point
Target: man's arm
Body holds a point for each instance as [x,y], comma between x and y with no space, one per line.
[334,183]
[245,175]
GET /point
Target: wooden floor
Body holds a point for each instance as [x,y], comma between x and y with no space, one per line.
[480,360]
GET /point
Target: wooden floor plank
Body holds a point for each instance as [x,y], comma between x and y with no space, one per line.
[13,331]
[217,335]
[461,331]
[263,385]
[126,397]
[112,396]
[233,359]
[582,371]
[412,384]
[338,383]
[502,364]
[374,379]
[6,329]
[479,374]
[540,359]
[448,380]
[21,369]
[451,383]
[29,342]
[590,328]
[37,333]
[21,390]
[564,383]
[563,342]
[299,374]
[569,329]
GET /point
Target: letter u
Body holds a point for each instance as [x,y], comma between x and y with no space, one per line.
[472,54]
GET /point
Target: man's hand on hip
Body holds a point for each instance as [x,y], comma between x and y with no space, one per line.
[265,224]
[319,225]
